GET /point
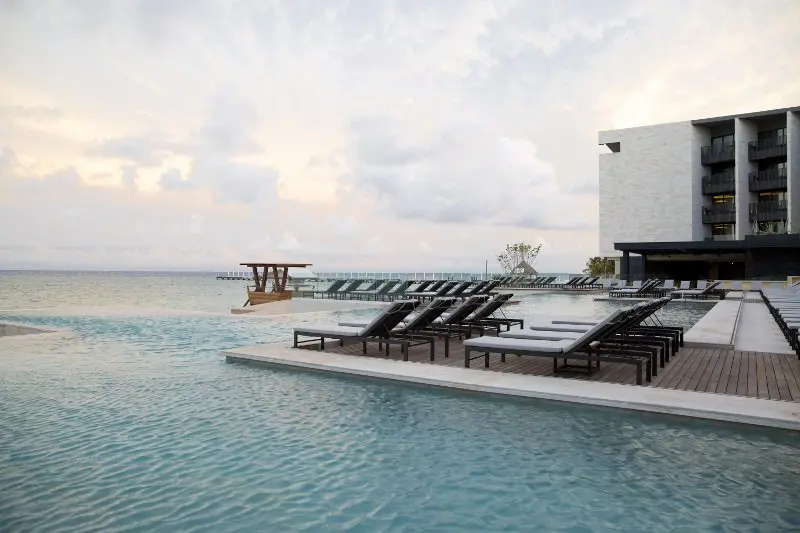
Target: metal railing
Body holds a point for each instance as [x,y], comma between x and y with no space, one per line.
[719,183]
[716,153]
[720,213]
[768,210]
[766,148]
[768,180]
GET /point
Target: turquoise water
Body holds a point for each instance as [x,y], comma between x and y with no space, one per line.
[133,422]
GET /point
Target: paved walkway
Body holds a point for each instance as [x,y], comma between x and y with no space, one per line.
[758,332]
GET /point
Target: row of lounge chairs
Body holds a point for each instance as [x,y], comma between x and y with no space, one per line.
[394,290]
[550,282]
[633,336]
[655,287]
[784,306]
[410,323]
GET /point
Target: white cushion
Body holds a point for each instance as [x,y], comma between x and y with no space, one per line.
[337,331]
[540,335]
[573,328]
[499,343]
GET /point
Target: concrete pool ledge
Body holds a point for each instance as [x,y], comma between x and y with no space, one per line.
[717,328]
[725,408]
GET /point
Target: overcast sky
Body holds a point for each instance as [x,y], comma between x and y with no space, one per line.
[353,134]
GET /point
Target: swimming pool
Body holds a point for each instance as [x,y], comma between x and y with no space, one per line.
[134,423]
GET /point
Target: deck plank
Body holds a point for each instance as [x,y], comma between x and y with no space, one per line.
[761,376]
[788,366]
[705,379]
[752,375]
[705,359]
[780,378]
[758,375]
[733,376]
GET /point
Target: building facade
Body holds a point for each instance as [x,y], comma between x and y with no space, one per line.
[715,198]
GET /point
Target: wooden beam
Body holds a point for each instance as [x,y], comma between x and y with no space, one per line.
[255,277]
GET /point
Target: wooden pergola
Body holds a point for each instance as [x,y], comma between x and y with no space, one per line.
[262,272]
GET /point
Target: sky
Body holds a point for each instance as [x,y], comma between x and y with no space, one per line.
[351,134]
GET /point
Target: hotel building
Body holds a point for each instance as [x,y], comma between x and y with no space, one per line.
[715,198]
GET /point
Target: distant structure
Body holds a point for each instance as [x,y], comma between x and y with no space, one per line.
[524,268]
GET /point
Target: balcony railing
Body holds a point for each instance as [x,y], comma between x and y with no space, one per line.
[768,211]
[710,155]
[720,213]
[719,183]
[768,180]
[772,147]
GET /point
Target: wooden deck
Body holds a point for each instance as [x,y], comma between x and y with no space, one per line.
[758,375]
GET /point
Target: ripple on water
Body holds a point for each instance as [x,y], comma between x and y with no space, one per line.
[137,425]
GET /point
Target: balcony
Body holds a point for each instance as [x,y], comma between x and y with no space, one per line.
[768,211]
[771,148]
[719,183]
[720,214]
[711,155]
[768,180]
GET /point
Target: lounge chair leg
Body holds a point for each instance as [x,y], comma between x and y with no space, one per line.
[404,349]
[341,342]
[447,346]
[433,346]
[639,373]
[486,360]
[466,357]
[364,347]
[502,358]
[555,365]
[295,340]
[387,349]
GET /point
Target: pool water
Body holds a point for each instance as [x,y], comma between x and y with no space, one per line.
[133,422]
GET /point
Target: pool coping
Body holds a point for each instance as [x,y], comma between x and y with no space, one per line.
[736,409]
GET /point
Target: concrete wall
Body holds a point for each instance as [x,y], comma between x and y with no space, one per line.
[745,131]
[701,137]
[793,170]
[648,189]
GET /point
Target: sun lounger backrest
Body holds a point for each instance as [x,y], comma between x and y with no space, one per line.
[467,307]
[422,285]
[403,287]
[386,287]
[711,286]
[458,288]
[684,285]
[492,285]
[353,285]
[431,312]
[593,334]
[488,309]
[390,318]
[333,287]
[668,284]
[701,285]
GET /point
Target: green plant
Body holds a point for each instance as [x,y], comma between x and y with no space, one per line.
[599,266]
[515,254]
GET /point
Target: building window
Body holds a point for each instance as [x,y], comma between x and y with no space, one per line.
[778,136]
[779,196]
[718,143]
[723,199]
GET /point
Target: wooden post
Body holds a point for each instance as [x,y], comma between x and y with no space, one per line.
[255,277]
[285,278]
[276,286]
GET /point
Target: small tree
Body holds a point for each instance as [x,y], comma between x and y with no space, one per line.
[599,266]
[515,254]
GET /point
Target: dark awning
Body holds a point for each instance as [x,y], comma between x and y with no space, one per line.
[750,242]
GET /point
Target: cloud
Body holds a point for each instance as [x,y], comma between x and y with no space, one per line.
[144,150]
[463,174]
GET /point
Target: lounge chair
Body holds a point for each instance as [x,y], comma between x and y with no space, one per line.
[440,291]
[379,329]
[484,315]
[586,347]
[637,289]
[664,339]
[397,292]
[345,291]
[329,292]
[702,291]
[375,293]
